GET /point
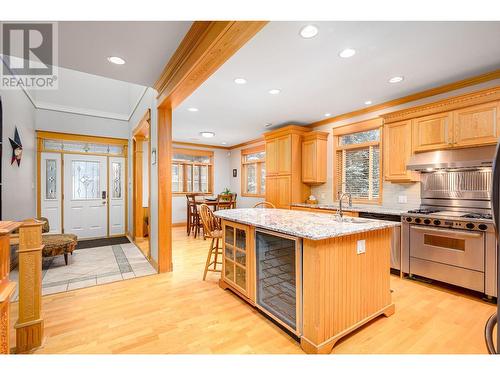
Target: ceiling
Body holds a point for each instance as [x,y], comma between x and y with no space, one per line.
[145,46]
[314,80]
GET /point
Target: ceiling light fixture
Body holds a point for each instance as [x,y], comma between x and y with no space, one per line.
[207,134]
[223,143]
[328,114]
[267,124]
[240,81]
[274,91]
[116,60]
[309,31]
[348,52]
[396,79]
[368,102]
[193,109]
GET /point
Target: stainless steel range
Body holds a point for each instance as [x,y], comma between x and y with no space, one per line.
[451,238]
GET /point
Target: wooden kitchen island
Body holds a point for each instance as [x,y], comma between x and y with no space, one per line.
[318,277]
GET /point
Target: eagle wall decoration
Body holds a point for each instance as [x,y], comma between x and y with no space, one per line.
[17,148]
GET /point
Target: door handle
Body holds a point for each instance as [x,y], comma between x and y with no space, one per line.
[454,233]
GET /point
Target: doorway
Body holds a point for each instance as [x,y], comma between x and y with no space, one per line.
[141,195]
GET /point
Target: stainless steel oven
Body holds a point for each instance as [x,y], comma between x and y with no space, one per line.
[450,255]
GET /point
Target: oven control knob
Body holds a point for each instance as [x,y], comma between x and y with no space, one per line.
[437,222]
[408,219]
[482,226]
[427,221]
[470,226]
[417,220]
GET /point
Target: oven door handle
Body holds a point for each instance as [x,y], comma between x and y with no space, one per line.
[453,232]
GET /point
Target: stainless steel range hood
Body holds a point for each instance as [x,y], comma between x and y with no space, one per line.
[475,157]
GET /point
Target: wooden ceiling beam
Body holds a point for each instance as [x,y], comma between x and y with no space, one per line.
[206,46]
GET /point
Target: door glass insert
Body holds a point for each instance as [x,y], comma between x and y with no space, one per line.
[241,279]
[229,235]
[85,179]
[276,279]
[116,171]
[229,270]
[241,238]
[50,179]
[229,252]
[241,257]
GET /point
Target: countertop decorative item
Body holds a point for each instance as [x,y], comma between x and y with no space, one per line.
[17,148]
[311,200]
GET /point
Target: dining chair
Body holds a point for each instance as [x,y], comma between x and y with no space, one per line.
[226,201]
[193,224]
[212,229]
[264,205]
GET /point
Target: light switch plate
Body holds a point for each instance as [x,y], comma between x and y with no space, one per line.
[361,247]
[402,199]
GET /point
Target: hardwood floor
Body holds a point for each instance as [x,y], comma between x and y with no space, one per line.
[179,313]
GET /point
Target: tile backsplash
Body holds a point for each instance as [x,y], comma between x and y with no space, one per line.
[392,194]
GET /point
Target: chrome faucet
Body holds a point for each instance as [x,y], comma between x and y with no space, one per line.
[340,211]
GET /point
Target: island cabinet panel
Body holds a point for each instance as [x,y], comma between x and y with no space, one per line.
[434,132]
[342,290]
[477,125]
[238,259]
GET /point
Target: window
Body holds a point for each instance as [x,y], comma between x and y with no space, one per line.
[357,161]
[253,172]
[192,171]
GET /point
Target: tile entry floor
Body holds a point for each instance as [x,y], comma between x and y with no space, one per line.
[89,267]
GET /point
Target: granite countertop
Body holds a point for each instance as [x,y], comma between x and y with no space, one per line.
[310,225]
[356,208]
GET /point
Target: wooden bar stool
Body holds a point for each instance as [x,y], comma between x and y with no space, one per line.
[264,205]
[193,223]
[213,231]
[226,201]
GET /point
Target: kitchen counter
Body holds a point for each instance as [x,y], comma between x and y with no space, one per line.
[310,225]
[355,208]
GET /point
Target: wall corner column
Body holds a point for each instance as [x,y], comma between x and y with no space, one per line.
[164,157]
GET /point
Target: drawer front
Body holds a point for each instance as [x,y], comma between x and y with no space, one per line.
[449,274]
[453,247]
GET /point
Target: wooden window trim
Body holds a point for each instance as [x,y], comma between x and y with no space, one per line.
[375,123]
[259,165]
[184,164]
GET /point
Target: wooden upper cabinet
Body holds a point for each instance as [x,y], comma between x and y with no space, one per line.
[434,132]
[314,155]
[397,151]
[271,157]
[284,156]
[477,125]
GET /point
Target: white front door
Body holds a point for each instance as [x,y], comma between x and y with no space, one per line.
[50,194]
[116,196]
[85,195]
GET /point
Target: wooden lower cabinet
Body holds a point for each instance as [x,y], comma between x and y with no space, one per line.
[238,257]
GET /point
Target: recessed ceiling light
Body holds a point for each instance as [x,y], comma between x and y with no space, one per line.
[207,134]
[116,60]
[328,114]
[223,143]
[240,81]
[348,52]
[274,91]
[193,109]
[267,124]
[368,102]
[396,79]
[309,31]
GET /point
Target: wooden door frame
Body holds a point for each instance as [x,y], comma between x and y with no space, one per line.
[42,135]
[140,134]
[206,46]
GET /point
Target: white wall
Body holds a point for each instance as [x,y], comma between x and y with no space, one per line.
[222,171]
[391,191]
[18,183]
[235,163]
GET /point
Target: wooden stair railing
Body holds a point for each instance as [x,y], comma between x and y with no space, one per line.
[7,287]
[29,326]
